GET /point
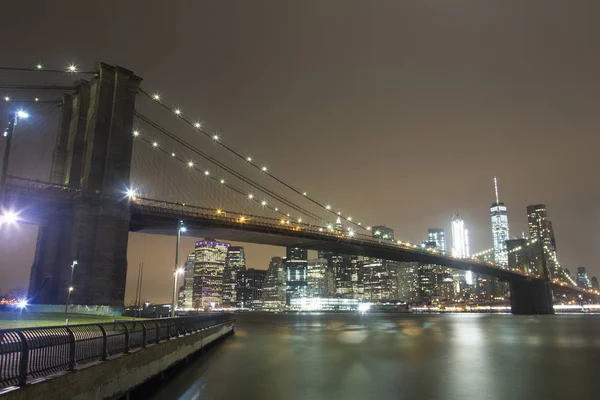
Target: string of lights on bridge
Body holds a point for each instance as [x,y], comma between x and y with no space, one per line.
[178,112]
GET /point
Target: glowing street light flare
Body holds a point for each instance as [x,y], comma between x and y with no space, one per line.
[8,217]
[22,114]
[276,209]
[197,125]
[37,99]
[177,111]
[349,218]
[136,133]
[368,228]
[264,169]
[190,164]
[250,196]
[183,229]
[155,144]
[71,288]
[351,233]
[219,211]
[329,226]
[299,219]
[39,66]
[222,181]
[22,304]
[249,159]
[328,207]
[263,203]
[172,154]
[179,271]
[304,194]
[156,97]
[131,193]
[6,98]
[206,173]
[72,68]
[320,229]
[216,137]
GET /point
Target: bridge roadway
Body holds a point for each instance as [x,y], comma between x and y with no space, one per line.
[159,217]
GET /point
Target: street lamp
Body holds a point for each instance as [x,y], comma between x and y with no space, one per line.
[180,228]
[70,289]
[13,120]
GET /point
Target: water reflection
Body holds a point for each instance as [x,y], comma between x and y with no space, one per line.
[333,356]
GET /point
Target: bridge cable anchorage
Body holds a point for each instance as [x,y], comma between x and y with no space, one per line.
[229,170]
[220,181]
[156,99]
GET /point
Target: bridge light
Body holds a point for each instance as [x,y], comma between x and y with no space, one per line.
[242,219]
[172,154]
[368,228]
[136,133]
[222,180]
[328,207]
[359,224]
[131,194]
[276,209]
[264,169]
[22,114]
[282,221]
[156,97]
[328,226]
[190,164]
[287,215]
[38,66]
[250,196]
[351,233]
[249,159]
[197,125]
[299,219]
[177,111]
[155,144]
[263,203]
[320,229]
[206,173]
[70,289]
[8,217]
[304,194]
[339,213]
[219,211]
[72,68]
[216,137]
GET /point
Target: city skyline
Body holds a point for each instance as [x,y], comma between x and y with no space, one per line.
[435,103]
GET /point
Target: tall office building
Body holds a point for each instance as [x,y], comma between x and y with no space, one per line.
[317,278]
[379,279]
[235,263]
[541,228]
[273,294]
[250,287]
[187,292]
[383,232]
[296,261]
[582,278]
[437,236]
[408,281]
[499,216]
[209,264]
[460,238]
[595,284]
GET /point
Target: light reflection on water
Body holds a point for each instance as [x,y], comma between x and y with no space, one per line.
[350,356]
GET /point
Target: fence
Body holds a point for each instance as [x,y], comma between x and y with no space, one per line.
[30,353]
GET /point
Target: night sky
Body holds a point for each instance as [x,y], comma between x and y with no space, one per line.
[402,112]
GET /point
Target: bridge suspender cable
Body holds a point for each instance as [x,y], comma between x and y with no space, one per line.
[230,170]
[197,127]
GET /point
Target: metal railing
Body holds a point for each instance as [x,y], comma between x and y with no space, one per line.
[30,353]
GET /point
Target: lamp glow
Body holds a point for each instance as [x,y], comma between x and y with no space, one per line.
[72,68]
[22,114]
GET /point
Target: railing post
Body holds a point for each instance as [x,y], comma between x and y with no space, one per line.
[143,334]
[157,331]
[126,337]
[104,343]
[24,359]
[71,349]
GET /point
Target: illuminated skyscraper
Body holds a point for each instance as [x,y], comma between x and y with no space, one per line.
[235,264]
[317,278]
[296,272]
[460,238]
[439,237]
[273,294]
[186,298]
[582,279]
[209,263]
[499,216]
[250,287]
[541,228]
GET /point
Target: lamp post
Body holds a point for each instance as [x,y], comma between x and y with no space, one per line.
[180,228]
[70,289]
[13,120]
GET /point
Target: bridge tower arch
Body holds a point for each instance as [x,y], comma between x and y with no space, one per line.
[93,153]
